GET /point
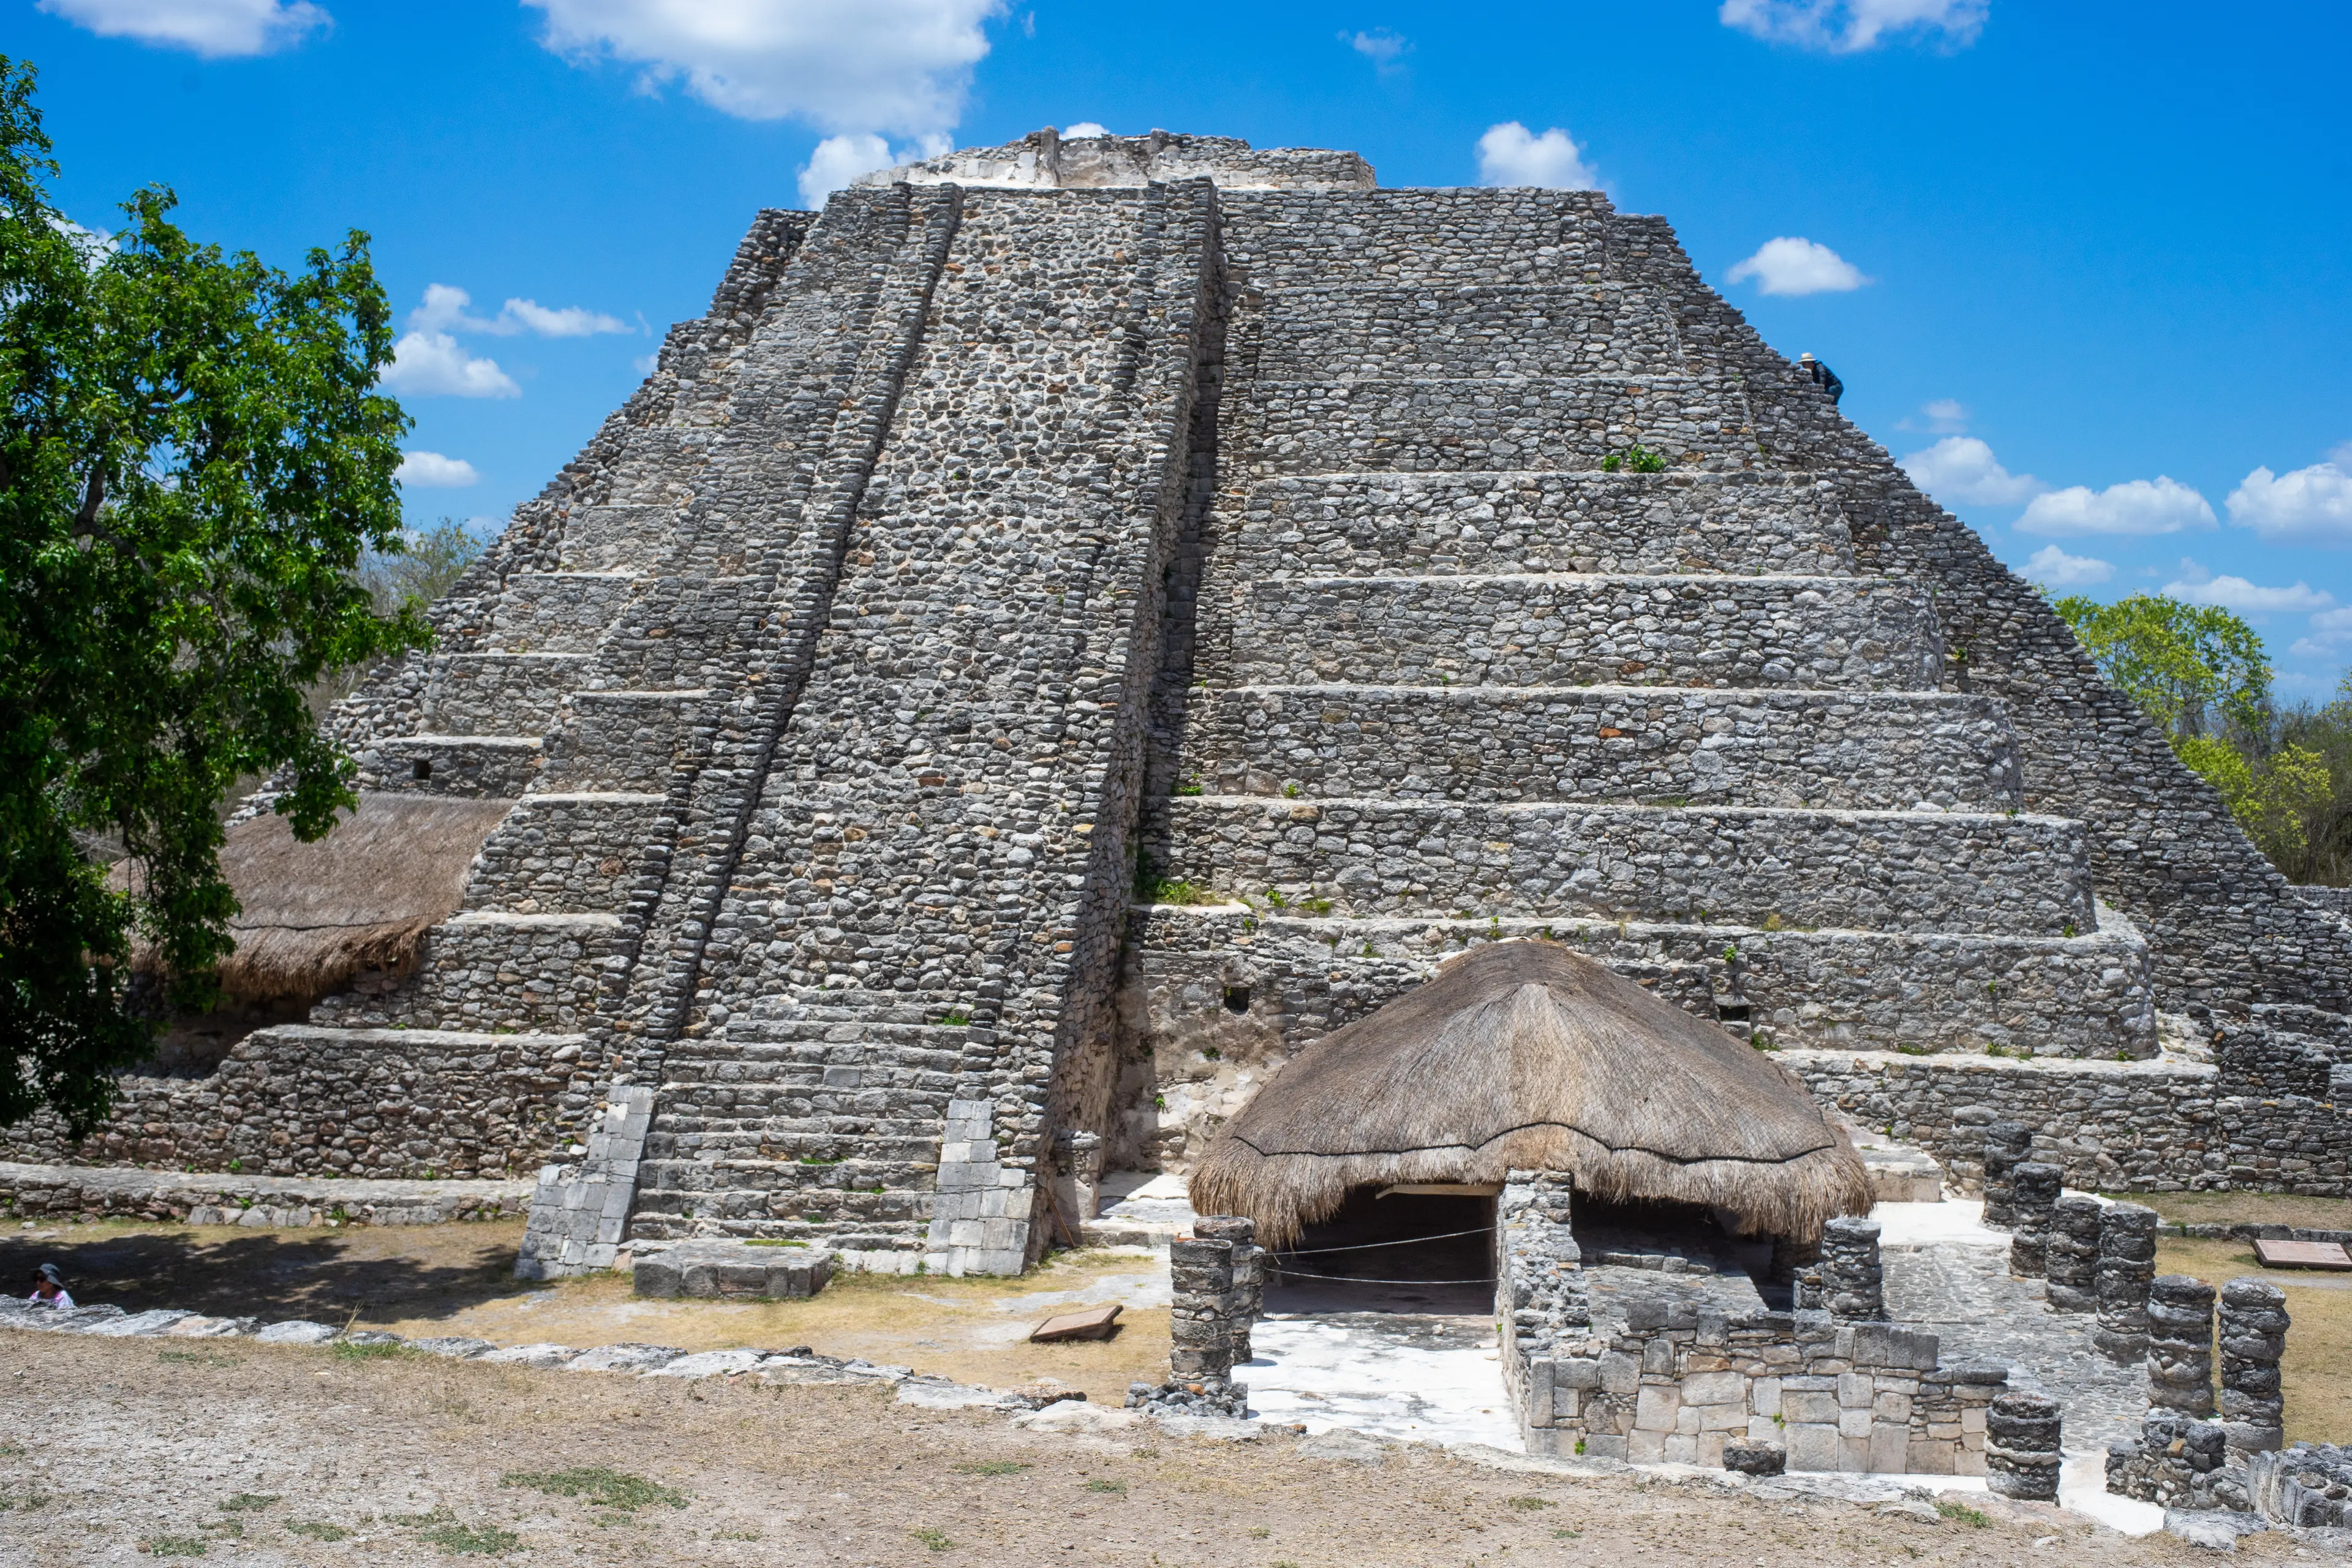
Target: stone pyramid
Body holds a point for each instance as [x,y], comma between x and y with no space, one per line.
[1077,621]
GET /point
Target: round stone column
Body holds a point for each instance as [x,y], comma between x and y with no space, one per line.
[2072,1254]
[2127,1265]
[2007,1145]
[2021,1454]
[2181,1344]
[2254,1337]
[2033,1193]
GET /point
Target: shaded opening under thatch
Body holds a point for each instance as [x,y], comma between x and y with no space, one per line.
[1524,1055]
[1390,1252]
[314,915]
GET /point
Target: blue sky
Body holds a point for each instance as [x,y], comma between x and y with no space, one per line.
[2086,267]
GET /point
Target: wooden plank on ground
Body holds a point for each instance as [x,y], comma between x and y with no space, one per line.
[1093,1323]
[2302,1254]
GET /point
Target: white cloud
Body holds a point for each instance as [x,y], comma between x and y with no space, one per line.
[2195,585]
[839,160]
[1848,27]
[1380,47]
[216,29]
[1791,265]
[1509,155]
[431,470]
[425,365]
[445,309]
[1962,471]
[843,65]
[2309,506]
[1082,130]
[2330,631]
[1946,416]
[2162,505]
[2053,568]
[570,321]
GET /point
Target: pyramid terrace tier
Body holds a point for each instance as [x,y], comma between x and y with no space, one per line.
[479,766]
[1439,425]
[488,970]
[1225,984]
[566,854]
[1280,239]
[1843,750]
[1562,329]
[1548,630]
[1948,872]
[557,612]
[1390,524]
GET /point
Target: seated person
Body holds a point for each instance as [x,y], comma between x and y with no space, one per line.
[49,1288]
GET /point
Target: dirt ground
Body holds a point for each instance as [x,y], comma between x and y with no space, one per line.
[425,1280]
[2247,1208]
[124,1451]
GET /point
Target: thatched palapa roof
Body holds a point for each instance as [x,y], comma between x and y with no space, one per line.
[1524,1055]
[361,898]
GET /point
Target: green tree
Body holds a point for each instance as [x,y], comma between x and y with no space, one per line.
[193,459]
[2195,670]
[427,564]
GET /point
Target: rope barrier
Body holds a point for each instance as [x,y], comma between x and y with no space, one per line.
[1373,1246]
[1360,1279]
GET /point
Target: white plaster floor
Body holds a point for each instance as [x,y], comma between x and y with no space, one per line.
[1411,1377]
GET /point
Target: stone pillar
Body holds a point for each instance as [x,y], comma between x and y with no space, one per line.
[2181,1344]
[1249,1295]
[2127,1265]
[1851,1282]
[2033,1193]
[2021,1447]
[2007,1145]
[1199,1327]
[2254,1336]
[2072,1254]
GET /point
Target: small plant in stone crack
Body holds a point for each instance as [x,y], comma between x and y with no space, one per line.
[1290,790]
[1212,1053]
[1274,896]
[1190,786]
[1636,458]
[2071,930]
[1172,891]
[954,1019]
[932,1536]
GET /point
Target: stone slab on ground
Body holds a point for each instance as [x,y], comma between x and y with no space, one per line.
[219,1197]
[2302,1254]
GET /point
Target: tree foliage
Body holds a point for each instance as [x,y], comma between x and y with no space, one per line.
[193,459]
[2200,673]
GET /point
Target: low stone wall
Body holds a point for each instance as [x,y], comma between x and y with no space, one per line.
[83,1193]
[1677,1381]
[295,1099]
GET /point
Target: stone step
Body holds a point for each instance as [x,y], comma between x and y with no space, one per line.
[746,1037]
[488,970]
[617,538]
[1299,976]
[1576,630]
[1433,424]
[557,612]
[1952,871]
[1340,332]
[1387,524]
[623,741]
[1421,237]
[843,1219]
[1844,749]
[566,854]
[482,766]
[498,693]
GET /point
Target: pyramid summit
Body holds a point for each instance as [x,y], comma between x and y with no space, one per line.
[1079,621]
